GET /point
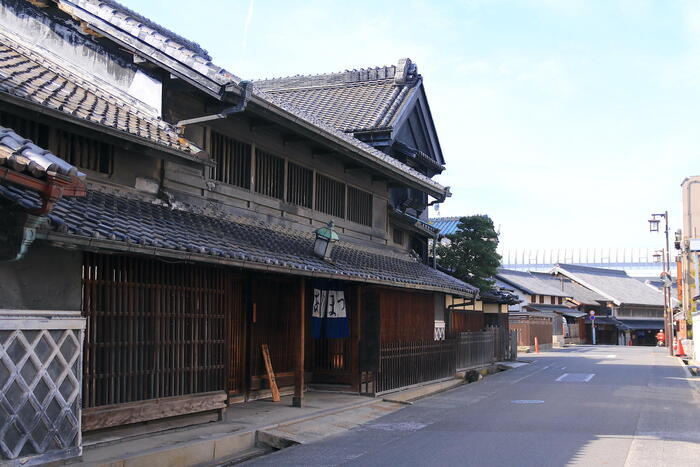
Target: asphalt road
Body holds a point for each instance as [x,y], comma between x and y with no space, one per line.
[585,405]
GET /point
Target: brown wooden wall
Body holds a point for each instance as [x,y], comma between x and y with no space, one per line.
[275,301]
[463,321]
[406,315]
[529,327]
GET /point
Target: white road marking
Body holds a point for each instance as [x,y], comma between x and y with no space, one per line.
[575,377]
[610,356]
[526,401]
[528,375]
[563,368]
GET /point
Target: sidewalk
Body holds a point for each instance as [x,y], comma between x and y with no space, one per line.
[254,428]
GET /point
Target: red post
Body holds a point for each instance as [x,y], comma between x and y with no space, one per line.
[537,345]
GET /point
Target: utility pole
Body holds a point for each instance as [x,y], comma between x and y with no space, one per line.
[668,311]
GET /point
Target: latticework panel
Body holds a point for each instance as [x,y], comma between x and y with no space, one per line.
[40,388]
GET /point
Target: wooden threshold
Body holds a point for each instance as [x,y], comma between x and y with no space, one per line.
[153,409]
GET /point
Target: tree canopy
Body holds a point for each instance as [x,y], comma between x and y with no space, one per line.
[471,254]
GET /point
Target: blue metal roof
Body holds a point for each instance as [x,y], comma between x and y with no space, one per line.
[446,225]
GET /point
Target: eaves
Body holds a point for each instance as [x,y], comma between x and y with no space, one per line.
[101,244]
[40,109]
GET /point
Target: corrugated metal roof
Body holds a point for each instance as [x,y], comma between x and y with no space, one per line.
[446,225]
[615,285]
[528,283]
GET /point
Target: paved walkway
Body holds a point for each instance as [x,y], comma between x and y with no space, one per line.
[604,405]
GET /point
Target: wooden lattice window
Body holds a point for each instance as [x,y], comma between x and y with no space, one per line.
[299,185]
[269,174]
[154,329]
[359,206]
[38,133]
[232,159]
[83,152]
[330,196]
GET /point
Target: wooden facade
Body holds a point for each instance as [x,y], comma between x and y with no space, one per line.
[529,327]
[406,315]
[464,321]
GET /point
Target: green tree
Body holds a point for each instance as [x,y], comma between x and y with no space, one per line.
[471,254]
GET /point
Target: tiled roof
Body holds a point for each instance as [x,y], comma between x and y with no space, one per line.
[22,155]
[446,225]
[528,283]
[351,101]
[613,284]
[576,291]
[120,222]
[141,30]
[38,78]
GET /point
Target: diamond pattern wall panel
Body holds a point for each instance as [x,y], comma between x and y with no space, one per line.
[40,388]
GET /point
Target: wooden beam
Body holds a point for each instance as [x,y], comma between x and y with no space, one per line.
[133,412]
[352,168]
[298,399]
[322,153]
[261,124]
[292,139]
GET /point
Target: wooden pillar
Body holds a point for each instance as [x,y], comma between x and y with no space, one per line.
[355,335]
[298,399]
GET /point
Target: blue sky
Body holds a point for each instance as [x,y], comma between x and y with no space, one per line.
[567,121]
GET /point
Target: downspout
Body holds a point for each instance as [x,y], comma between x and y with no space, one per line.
[246,91]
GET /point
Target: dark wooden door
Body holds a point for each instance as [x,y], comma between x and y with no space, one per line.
[235,331]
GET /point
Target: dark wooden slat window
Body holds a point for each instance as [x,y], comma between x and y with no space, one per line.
[232,159]
[330,196]
[153,329]
[83,152]
[299,185]
[359,206]
[80,151]
[398,236]
[38,133]
[269,174]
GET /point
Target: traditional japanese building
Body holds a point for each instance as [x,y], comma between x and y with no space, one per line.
[218,217]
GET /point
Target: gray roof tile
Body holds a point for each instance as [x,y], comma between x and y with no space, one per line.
[528,283]
[615,285]
[21,155]
[351,101]
[38,78]
[123,220]
[575,290]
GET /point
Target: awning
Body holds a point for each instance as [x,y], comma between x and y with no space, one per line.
[642,324]
[573,314]
[606,320]
[556,309]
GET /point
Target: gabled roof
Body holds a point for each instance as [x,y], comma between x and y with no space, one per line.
[575,290]
[169,51]
[116,222]
[616,286]
[368,100]
[352,100]
[528,283]
[446,225]
[28,76]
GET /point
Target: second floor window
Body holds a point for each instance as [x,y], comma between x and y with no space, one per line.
[359,206]
[330,196]
[232,159]
[269,174]
[300,188]
[86,153]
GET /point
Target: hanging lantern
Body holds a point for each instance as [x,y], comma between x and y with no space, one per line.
[325,238]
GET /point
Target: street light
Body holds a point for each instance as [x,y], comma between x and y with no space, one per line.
[325,238]
[654,222]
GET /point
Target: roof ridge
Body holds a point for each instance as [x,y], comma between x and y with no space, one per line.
[356,71]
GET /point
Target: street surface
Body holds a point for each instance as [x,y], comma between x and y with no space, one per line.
[584,405]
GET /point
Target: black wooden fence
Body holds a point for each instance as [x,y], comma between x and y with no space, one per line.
[404,364]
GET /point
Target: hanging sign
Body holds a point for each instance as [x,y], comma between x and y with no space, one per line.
[329,316]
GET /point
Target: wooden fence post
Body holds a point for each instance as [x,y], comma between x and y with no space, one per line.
[298,399]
